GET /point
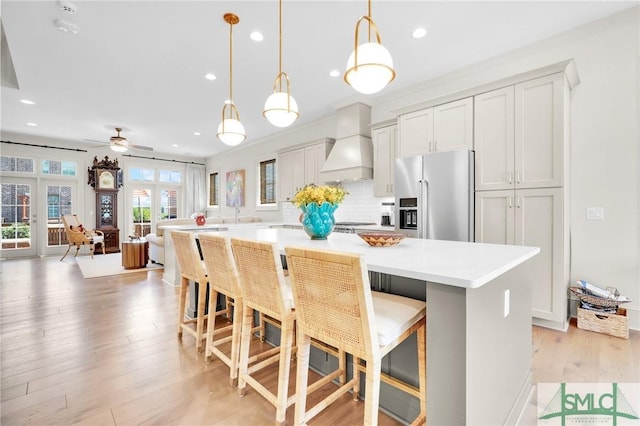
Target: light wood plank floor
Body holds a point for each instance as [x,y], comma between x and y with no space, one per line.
[104,351]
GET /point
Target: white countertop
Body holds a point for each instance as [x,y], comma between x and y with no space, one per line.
[461,264]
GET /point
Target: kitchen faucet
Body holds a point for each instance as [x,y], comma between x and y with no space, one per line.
[237,212]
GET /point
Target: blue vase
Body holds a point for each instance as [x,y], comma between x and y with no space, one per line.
[318,220]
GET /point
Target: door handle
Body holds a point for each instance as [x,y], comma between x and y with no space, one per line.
[510,201]
[518,177]
[435,146]
[429,146]
[510,178]
[518,202]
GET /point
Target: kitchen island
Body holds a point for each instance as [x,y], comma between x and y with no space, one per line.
[478,318]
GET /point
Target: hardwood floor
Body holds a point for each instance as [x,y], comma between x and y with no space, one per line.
[104,351]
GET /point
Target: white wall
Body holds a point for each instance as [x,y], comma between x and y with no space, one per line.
[604,151]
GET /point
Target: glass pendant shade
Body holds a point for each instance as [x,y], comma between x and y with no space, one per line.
[231,132]
[281,109]
[373,71]
[118,148]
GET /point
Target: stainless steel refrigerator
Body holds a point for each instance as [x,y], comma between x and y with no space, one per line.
[435,196]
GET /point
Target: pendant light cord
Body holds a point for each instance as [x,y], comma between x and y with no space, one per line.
[230,64]
[280,37]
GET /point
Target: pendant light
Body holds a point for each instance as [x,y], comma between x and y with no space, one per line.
[230,130]
[280,108]
[370,67]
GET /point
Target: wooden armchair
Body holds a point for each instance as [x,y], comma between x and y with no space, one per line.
[79,236]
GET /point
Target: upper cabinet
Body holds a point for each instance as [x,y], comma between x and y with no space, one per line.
[444,127]
[519,135]
[301,166]
[384,158]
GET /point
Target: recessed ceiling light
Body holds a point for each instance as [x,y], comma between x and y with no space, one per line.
[27,101]
[196,133]
[32,124]
[334,73]
[256,36]
[175,145]
[66,26]
[210,76]
[419,33]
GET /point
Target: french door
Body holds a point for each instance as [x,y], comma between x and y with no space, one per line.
[19,217]
[148,204]
[59,199]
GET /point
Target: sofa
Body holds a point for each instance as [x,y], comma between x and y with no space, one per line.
[156,239]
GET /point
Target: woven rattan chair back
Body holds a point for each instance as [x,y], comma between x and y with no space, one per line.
[333,299]
[188,256]
[219,262]
[261,277]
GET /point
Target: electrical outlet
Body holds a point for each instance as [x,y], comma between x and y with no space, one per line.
[506,302]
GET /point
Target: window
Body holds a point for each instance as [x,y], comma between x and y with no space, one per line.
[268,181]
[214,191]
[140,174]
[168,204]
[169,176]
[55,167]
[16,164]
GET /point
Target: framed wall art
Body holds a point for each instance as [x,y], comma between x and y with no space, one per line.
[235,188]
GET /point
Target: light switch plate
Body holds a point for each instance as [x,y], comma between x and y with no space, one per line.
[595,213]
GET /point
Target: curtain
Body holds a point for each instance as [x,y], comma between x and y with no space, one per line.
[196,190]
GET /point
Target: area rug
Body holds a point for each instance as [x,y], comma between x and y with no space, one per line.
[110,264]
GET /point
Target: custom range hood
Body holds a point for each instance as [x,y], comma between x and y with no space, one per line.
[352,155]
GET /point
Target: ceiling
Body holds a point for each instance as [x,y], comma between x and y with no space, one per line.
[140,65]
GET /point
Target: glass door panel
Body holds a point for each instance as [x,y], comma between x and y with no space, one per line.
[141,213]
[59,202]
[168,204]
[18,209]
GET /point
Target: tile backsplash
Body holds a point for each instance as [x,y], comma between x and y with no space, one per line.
[358,206]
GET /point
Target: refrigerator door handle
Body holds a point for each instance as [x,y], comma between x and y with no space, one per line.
[423,209]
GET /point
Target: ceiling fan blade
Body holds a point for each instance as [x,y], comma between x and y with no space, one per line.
[129,145]
[140,147]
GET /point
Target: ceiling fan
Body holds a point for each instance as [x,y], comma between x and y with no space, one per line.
[120,143]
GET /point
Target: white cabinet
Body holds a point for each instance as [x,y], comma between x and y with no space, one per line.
[300,166]
[444,127]
[314,158]
[384,158]
[519,135]
[530,217]
[291,168]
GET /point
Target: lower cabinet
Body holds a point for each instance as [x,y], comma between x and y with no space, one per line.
[111,240]
[531,217]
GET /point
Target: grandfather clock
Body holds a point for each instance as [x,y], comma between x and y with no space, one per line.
[105,177]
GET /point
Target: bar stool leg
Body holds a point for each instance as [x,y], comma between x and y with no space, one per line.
[247,324]
[211,326]
[182,300]
[202,297]
[235,341]
[372,392]
[286,341]
[302,378]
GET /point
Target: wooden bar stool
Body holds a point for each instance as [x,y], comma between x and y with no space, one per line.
[191,268]
[265,289]
[223,279]
[334,304]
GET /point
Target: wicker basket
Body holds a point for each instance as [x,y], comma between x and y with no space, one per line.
[595,300]
[612,324]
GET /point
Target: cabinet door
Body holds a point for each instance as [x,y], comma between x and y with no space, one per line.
[416,133]
[539,132]
[493,139]
[453,125]
[495,217]
[539,222]
[384,159]
[314,158]
[291,173]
